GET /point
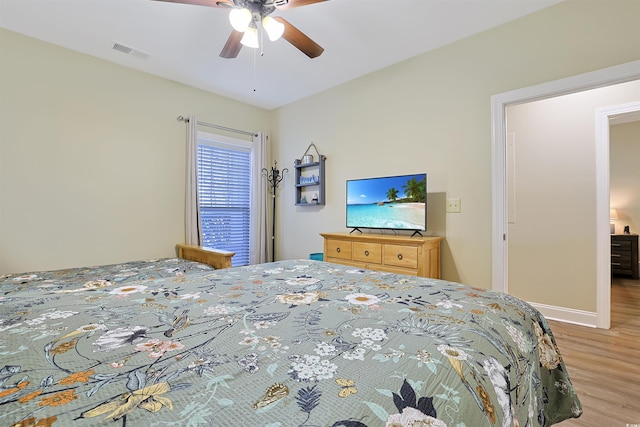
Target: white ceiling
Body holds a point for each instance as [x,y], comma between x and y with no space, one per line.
[183,41]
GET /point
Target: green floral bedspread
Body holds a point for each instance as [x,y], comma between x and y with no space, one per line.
[291,343]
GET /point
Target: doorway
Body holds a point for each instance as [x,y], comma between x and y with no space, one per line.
[598,79]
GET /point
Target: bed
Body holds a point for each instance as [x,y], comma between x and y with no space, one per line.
[289,343]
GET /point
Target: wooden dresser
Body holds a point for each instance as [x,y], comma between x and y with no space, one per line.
[416,256]
[624,255]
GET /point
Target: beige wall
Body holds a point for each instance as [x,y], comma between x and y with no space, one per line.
[625,175]
[92,158]
[432,113]
[552,234]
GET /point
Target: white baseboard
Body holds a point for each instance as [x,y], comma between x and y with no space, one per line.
[568,315]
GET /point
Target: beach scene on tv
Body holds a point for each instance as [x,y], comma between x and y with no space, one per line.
[397,202]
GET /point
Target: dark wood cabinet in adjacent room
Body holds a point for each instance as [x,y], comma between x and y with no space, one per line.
[624,255]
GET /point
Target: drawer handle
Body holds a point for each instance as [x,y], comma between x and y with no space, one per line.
[618,255]
[616,244]
[616,263]
[338,250]
[400,257]
[366,253]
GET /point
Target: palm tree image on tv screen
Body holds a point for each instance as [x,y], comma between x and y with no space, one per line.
[395,202]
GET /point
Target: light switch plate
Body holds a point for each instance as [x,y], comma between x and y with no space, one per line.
[453,206]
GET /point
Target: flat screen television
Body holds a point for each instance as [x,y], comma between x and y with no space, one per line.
[390,202]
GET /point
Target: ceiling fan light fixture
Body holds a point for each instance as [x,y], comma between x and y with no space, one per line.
[250,38]
[273,28]
[240,18]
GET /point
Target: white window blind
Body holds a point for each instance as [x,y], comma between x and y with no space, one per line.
[224,184]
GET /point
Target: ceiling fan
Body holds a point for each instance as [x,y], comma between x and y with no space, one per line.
[245,17]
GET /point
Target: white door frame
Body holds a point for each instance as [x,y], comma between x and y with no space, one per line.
[603,239]
[600,78]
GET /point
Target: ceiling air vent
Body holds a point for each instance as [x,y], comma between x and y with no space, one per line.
[130,51]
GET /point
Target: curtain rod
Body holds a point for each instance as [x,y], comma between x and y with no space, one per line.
[211,125]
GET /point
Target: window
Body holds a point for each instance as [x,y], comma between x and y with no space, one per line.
[224,190]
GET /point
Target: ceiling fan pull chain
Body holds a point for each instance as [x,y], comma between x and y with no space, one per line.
[254,69]
[261,40]
[255,65]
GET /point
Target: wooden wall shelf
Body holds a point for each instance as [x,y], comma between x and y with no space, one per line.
[306,187]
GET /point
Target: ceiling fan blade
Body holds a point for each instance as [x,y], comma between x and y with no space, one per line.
[232,47]
[209,3]
[297,3]
[299,39]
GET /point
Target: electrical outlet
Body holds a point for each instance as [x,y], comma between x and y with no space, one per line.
[453,206]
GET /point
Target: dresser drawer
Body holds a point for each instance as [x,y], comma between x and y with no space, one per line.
[367,252]
[338,249]
[621,261]
[401,256]
[620,265]
[397,270]
[620,245]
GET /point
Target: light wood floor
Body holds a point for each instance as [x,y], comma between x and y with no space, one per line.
[604,365]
